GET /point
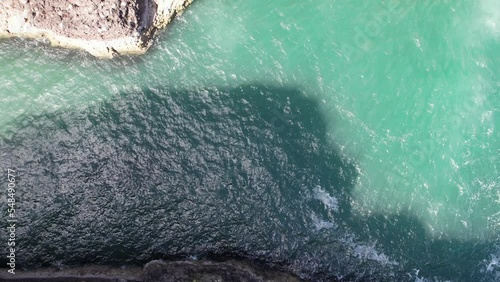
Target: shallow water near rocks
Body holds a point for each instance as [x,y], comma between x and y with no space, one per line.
[340,139]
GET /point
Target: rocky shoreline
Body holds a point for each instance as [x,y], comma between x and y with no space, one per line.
[158,270]
[102,28]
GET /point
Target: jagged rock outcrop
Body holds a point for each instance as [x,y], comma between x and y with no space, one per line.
[102,28]
[229,271]
[156,271]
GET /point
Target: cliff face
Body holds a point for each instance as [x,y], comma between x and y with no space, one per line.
[154,271]
[102,28]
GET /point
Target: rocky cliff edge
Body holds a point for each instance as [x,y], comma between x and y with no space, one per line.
[103,28]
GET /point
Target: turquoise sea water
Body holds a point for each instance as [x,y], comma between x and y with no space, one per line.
[338,139]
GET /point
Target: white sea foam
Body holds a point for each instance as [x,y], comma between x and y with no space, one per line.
[329,201]
[424,279]
[490,10]
[494,220]
[321,223]
[368,252]
[493,264]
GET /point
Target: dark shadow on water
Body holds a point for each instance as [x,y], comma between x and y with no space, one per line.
[216,173]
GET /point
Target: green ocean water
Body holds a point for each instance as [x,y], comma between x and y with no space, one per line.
[339,139]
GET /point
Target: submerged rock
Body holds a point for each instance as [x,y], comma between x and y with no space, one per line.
[102,28]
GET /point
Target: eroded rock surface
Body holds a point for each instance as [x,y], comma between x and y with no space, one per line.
[208,271]
[157,271]
[101,27]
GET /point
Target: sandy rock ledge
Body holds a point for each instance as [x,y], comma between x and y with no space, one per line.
[103,28]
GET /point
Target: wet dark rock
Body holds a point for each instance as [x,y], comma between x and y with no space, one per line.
[157,271]
[208,271]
